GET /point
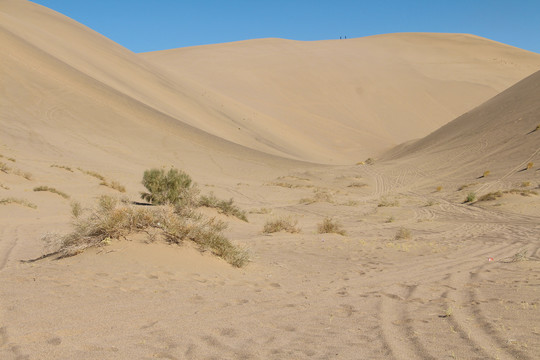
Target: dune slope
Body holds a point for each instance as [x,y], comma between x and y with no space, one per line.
[344,100]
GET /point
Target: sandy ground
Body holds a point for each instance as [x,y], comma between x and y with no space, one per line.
[464,283]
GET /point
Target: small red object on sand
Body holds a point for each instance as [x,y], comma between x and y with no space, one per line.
[490,259]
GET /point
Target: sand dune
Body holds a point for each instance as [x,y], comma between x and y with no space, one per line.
[364,94]
[418,274]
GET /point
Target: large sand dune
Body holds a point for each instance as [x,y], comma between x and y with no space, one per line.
[418,275]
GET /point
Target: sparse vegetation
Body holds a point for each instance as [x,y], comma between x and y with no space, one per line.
[281,224]
[8,170]
[537,128]
[11,159]
[226,207]
[530,165]
[4,168]
[497,194]
[289,185]
[67,168]
[357,184]
[112,219]
[431,203]
[172,187]
[76,209]
[93,174]
[330,226]
[390,219]
[438,188]
[4,187]
[517,257]
[403,233]
[12,200]
[384,202]
[526,184]
[52,190]
[486,173]
[318,196]
[261,211]
[369,161]
[114,185]
[464,186]
[351,203]
[471,197]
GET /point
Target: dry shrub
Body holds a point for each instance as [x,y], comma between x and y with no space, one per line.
[530,165]
[226,207]
[357,184]
[486,173]
[384,202]
[403,233]
[370,161]
[318,196]
[12,200]
[281,224]
[112,219]
[330,226]
[497,194]
[93,174]
[67,168]
[438,188]
[115,185]
[52,190]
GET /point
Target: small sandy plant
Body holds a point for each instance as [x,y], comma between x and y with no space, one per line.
[402,234]
[12,200]
[168,187]
[52,190]
[226,207]
[471,197]
[112,219]
[329,226]
[530,165]
[486,173]
[67,168]
[370,161]
[438,188]
[115,185]
[281,224]
[4,168]
[384,202]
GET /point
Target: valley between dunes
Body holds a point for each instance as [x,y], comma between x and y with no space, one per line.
[284,128]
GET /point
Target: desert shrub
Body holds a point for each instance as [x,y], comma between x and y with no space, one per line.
[438,188]
[52,190]
[403,233]
[384,202]
[525,184]
[171,187]
[281,224]
[471,197]
[370,161]
[537,127]
[93,174]
[115,185]
[4,186]
[12,200]
[486,173]
[112,219]
[530,165]
[318,196]
[330,226]
[76,209]
[431,203]
[226,207]
[390,219]
[261,211]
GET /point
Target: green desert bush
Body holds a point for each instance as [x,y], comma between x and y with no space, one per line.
[471,197]
[52,190]
[172,187]
[226,207]
[330,226]
[112,219]
[281,224]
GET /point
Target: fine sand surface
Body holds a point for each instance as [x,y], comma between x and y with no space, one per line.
[259,121]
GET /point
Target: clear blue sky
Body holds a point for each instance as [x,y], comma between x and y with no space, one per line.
[165,24]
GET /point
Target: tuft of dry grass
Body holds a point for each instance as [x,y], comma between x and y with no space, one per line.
[384,202]
[8,170]
[486,173]
[526,184]
[226,207]
[12,200]
[67,168]
[4,186]
[357,184]
[390,219]
[112,219]
[403,233]
[114,185]
[4,167]
[52,190]
[369,161]
[464,186]
[93,174]
[438,188]
[497,194]
[261,211]
[281,224]
[530,165]
[318,196]
[330,226]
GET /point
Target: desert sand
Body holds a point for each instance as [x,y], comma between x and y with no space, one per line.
[284,128]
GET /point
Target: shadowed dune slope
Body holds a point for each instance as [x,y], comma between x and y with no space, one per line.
[345,100]
[499,136]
